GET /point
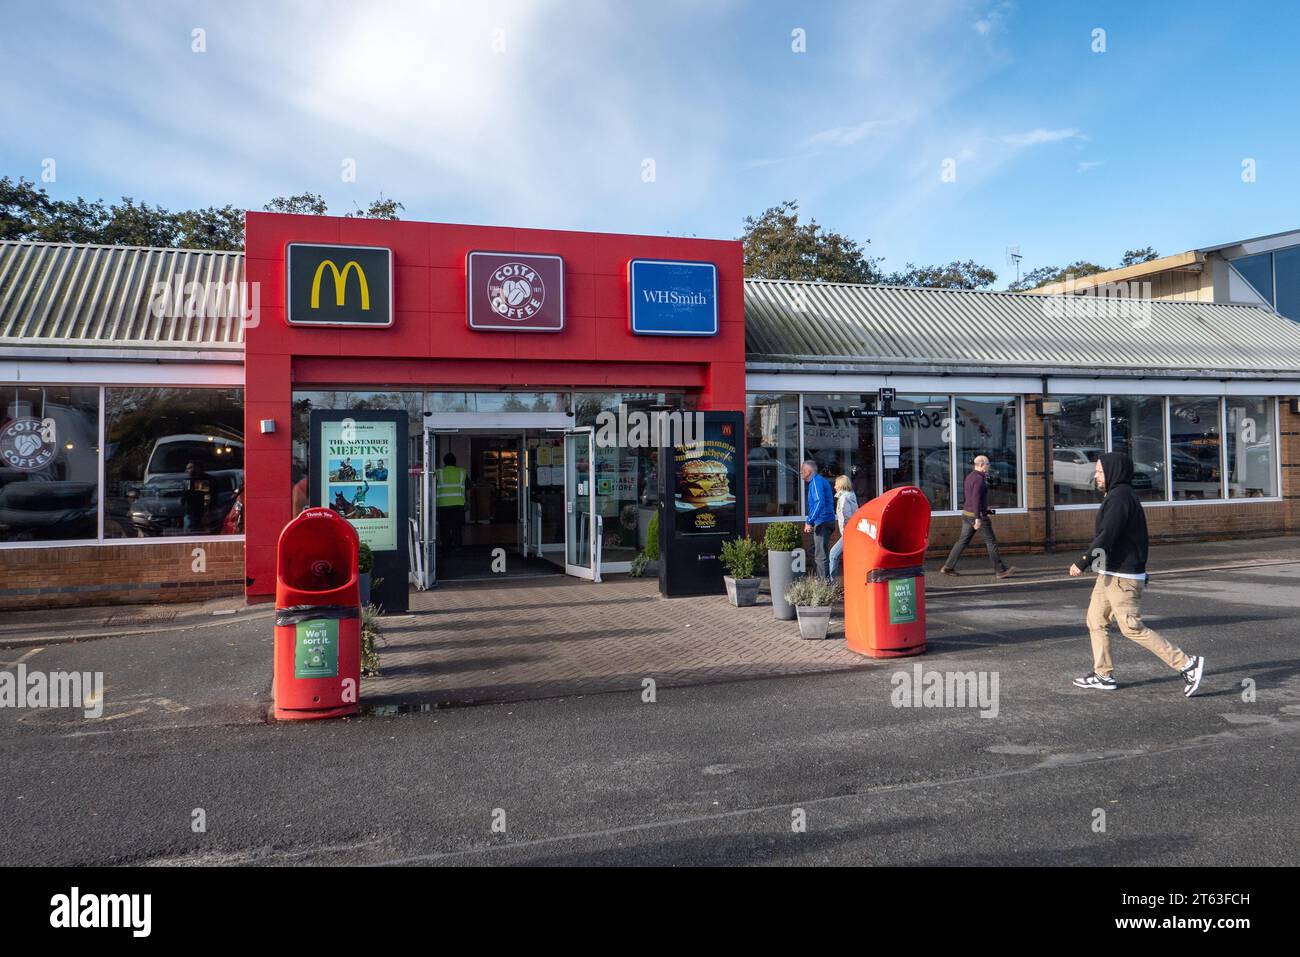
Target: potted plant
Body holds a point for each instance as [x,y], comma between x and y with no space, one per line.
[365,565]
[813,599]
[739,556]
[648,559]
[780,540]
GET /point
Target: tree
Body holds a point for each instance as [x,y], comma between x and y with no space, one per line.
[1047,274]
[21,205]
[777,246]
[304,204]
[212,228]
[1134,256]
[138,224]
[379,209]
[955,275]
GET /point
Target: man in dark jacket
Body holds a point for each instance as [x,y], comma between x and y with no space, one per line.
[975,518]
[1118,554]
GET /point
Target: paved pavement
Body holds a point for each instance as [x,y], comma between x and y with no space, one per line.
[715,774]
[469,644]
[509,641]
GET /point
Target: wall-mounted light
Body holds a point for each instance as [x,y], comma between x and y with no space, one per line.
[268,426]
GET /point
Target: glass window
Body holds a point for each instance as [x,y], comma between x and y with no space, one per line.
[627,478]
[1078,438]
[173,462]
[49,463]
[1258,271]
[1252,447]
[989,425]
[1286,265]
[772,424]
[926,454]
[841,445]
[1194,447]
[304,402]
[1137,428]
[496,402]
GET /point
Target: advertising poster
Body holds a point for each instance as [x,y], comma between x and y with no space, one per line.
[704,482]
[357,462]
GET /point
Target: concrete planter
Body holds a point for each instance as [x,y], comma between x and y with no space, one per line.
[814,621]
[779,577]
[742,592]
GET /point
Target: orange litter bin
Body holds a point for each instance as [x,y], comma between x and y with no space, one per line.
[884,581]
[317,671]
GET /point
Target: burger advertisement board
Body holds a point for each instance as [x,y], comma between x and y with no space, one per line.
[705,478]
[702,505]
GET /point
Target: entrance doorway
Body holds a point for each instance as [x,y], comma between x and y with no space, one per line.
[508,499]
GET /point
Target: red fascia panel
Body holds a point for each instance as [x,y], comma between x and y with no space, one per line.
[490,374]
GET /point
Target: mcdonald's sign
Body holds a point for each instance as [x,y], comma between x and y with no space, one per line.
[329,285]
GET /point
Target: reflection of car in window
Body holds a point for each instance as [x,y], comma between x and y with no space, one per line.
[190,484]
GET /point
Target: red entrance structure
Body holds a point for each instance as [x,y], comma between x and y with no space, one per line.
[430,344]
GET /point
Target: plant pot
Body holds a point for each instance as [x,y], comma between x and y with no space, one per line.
[742,592]
[814,621]
[780,573]
[363,579]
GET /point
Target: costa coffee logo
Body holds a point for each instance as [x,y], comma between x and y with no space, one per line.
[23,445]
[516,291]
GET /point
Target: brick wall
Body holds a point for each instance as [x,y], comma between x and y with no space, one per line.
[118,574]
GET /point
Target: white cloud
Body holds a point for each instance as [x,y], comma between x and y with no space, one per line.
[994,20]
[1085,165]
[846,135]
[1037,137]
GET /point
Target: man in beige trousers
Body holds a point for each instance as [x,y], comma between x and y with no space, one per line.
[1119,555]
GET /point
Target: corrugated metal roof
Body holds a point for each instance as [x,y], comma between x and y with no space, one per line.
[73,295]
[893,327]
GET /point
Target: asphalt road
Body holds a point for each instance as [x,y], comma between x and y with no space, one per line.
[720,774]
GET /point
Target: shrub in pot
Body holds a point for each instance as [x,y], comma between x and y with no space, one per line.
[646,560]
[365,565]
[739,556]
[813,599]
[780,540]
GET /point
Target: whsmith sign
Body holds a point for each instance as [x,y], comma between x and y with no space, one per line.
[672,298]
[338,285]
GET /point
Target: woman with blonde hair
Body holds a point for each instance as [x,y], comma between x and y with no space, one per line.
[846,503]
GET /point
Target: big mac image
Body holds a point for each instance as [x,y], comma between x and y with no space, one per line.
[704,498]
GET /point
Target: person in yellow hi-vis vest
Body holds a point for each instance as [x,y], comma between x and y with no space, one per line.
[451,502]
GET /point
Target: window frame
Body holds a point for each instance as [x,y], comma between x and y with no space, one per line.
[101,541]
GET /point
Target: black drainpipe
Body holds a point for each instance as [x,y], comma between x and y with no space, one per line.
[1046,420]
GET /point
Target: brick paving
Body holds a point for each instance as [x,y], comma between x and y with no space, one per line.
[541,638]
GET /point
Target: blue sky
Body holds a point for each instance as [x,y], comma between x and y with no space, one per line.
[544,114]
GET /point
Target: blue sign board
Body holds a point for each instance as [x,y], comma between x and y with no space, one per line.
[673,298]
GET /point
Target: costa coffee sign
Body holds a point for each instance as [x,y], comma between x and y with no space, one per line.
[515,292]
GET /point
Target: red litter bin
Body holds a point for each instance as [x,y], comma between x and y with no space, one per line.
[884,581]
[317,618]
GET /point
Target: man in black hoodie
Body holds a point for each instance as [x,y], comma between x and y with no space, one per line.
[1118,554]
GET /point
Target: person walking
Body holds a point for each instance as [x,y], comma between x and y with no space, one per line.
[846,503]
[451,502]
[975,517]
[820,521]
[1118,554]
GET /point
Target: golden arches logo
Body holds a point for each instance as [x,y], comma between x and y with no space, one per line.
[340,283]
